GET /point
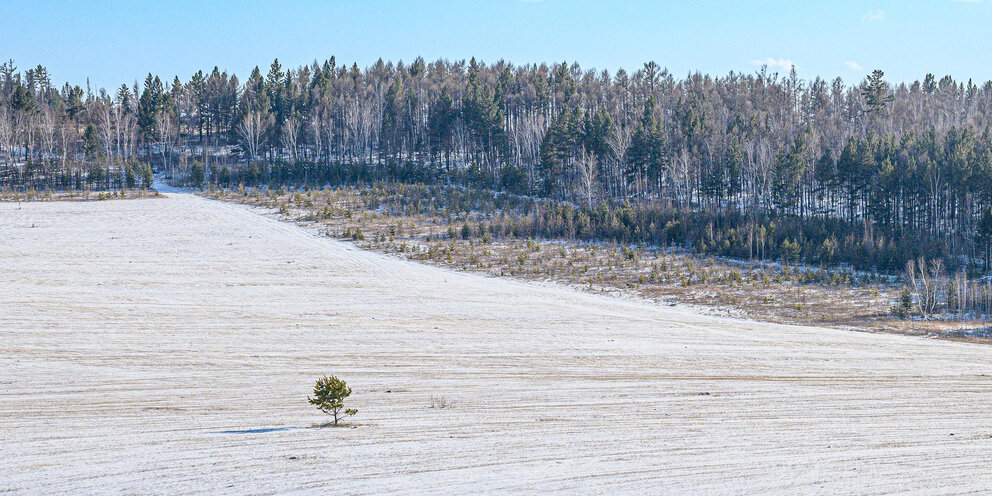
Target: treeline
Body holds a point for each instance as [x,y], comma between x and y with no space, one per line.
[872,174]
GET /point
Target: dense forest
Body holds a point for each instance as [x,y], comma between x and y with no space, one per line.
[758,166]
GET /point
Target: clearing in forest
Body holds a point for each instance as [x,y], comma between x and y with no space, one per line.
[168,345]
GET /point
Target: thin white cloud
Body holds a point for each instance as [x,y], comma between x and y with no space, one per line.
[967,1]
[873,15]
[854,66]
[785,65]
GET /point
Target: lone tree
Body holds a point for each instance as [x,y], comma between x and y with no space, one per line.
[329,394]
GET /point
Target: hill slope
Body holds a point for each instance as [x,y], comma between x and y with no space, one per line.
[168,345]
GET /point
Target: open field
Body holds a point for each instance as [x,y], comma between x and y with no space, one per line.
[168,345]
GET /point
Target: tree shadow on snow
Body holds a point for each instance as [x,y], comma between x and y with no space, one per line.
[265,430]
[260,431]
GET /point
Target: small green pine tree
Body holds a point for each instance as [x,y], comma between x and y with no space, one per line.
[905,303]
[147,178]
[329,394]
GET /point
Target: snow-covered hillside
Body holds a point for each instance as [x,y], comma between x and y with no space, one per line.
[168,346]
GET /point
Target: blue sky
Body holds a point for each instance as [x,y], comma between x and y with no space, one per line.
[113,42]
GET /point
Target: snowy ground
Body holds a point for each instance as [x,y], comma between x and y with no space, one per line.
[142,341]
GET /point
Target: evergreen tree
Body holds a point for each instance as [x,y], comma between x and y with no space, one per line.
[646,156]
[983,236]
[329,394]
[441,126]
[876,92]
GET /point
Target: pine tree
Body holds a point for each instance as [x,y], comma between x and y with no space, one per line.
[983,236]
[329,394]
[876,92]
[91,142]
[647,146]
[440,126]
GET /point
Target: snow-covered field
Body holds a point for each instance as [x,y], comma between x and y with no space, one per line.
[142,341]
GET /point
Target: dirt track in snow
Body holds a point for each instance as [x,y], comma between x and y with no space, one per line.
[145,342]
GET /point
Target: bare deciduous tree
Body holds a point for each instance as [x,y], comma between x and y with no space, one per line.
[588,166]
[252,129]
